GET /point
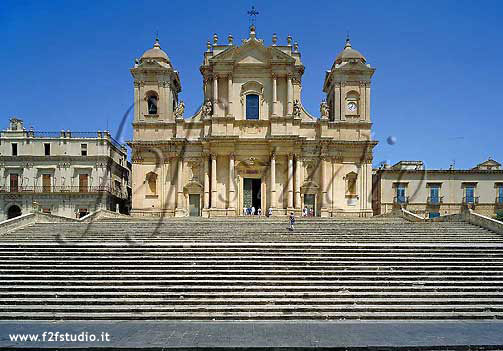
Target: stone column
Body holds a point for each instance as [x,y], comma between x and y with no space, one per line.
[213,180]
[179,188]
[229,95]
[273,180]
[289,110]
[290,181]
[206,183]
[322,183]
[298,203]
[215,95]
[274,95]
[232,200]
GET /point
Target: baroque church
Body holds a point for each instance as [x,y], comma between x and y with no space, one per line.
[252,143]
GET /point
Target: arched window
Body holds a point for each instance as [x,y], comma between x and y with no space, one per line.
[152,182]
[152,103]
[252,107]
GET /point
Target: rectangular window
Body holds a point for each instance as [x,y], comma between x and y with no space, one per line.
[252,106]
[434,194]
[14,149]
[47,149]
[83,149]
[500,195]
[14,182]
[470,194]
[46,210]
[46,183]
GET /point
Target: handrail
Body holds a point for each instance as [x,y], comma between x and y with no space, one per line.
[401,199]
[471,200]
[435,200]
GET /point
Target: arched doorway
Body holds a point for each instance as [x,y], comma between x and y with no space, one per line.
[13,211]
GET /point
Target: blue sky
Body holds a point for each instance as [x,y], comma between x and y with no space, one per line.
[437,88]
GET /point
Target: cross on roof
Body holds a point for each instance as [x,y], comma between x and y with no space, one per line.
[253,15]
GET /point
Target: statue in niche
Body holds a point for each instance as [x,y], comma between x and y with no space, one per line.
[207,109]
[180,109]
[324,110]
[296,108]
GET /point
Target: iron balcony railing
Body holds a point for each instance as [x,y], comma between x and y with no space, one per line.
[45,189]
[470,200]
[400,200]
[435,200]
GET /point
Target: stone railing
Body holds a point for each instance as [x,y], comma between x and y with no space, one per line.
[40,217]
[412,217]
[482,221]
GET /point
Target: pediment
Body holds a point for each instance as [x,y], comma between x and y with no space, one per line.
[253,52]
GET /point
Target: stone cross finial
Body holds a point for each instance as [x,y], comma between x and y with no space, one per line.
[274,39]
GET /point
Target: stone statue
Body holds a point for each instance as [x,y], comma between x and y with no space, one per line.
[324,111]
[296,108]
[207,109]
[180,109]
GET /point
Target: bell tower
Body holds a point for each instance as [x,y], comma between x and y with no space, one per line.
[347,85]
[156,86]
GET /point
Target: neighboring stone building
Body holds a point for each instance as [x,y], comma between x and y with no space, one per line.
[431,193]
[64,173]
[252,143]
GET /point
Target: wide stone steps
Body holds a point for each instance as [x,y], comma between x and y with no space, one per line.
[251,269]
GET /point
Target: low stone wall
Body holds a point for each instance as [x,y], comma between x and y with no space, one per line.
[412,217]
[31,218]
[102,214]
[482,221]
[40,217]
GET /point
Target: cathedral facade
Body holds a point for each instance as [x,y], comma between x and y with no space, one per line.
[252,143]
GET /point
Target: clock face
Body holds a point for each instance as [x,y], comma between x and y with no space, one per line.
[352,106]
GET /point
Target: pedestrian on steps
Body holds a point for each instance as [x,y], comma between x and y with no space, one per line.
[292,221]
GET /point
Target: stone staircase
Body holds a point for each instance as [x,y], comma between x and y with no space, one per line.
[251,269]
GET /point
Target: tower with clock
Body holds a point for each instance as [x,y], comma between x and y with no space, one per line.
[347,85]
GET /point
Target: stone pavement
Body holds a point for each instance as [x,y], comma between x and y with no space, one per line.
[345,335]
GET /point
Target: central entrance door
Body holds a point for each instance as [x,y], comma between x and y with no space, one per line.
[252,193]
[310,203]
[194,205]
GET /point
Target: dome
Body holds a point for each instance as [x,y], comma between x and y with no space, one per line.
[349,54]
[155,52]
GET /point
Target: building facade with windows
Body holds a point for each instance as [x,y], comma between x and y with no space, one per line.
[252,143]
[431,193]
[64,173]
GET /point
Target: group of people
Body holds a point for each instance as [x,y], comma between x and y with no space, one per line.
[307,212]
[251,211]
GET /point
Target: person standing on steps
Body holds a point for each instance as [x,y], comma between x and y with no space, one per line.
[292,221]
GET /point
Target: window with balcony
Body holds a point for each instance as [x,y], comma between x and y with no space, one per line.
[434,198]
[470,194]
[14,182]
[46,183]
[401,197]
[83,183]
